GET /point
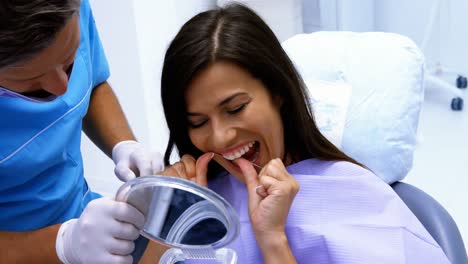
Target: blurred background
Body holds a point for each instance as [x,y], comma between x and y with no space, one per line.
[136,33]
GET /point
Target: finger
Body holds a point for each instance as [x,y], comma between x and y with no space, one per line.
[141,160]
[269,183]
[121,247]
[157,162]
[190,167]
[260,190]
[123,172]
[168,171]
[118,259]
[202,168]
[251,180]
[180,169]
[275,169]
[126,213]
[126,231]
[227,165]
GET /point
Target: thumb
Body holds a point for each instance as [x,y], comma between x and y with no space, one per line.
[251,180]
[123,172]
[201,168]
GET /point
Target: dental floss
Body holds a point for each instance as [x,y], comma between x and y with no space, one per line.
[260,189]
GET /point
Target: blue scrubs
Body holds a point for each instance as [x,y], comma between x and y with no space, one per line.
[41,169]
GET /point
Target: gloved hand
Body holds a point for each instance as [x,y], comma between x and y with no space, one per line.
[131,160]
[104,233]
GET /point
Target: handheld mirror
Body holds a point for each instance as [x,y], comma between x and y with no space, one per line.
[194,221]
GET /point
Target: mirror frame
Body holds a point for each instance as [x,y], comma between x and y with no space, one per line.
[232,220]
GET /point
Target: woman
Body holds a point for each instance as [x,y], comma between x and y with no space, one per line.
[246,106]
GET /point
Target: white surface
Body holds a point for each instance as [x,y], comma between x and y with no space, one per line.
[355,15]
[330,101]
[283,17]
[449,40]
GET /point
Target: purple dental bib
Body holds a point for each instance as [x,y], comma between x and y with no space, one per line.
[342,214]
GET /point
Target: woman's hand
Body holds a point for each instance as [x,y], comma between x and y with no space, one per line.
[190,169]
[271,193]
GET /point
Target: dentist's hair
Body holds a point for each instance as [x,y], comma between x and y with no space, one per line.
[29,26]
[238,35]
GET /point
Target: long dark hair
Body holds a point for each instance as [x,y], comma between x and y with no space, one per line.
[238,35]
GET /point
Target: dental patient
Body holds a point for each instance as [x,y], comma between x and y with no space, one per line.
[245,130]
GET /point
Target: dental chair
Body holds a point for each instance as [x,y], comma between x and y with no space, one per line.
[366,91]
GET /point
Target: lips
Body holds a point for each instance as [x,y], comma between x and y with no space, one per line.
[251,155]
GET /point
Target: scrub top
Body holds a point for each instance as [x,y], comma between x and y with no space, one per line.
[41,168]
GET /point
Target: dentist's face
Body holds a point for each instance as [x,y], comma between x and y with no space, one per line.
[47,73]
[234,115]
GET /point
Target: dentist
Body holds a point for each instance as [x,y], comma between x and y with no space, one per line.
[53,74]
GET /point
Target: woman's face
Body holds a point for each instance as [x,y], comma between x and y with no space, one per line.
[232,114]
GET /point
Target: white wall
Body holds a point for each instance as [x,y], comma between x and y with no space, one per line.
[450,37]
[283,17]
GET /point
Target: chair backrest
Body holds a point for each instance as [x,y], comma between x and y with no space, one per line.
[435,219]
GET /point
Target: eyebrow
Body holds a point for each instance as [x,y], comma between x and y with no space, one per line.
[224,102]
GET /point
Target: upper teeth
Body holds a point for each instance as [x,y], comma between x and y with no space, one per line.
[237,154]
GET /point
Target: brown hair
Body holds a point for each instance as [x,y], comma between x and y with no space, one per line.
[29,26]
[236,34]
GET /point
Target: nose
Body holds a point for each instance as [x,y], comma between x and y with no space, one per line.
[223,134]
[55,82]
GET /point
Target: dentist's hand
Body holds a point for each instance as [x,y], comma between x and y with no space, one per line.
[131,160]
[104,233]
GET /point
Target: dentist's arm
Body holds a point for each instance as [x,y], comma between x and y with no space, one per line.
[104,233]
[105,124]
[26,247]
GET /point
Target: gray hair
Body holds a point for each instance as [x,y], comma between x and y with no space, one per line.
[29,26]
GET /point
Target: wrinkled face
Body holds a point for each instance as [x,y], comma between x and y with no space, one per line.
[233,114]
[48,72]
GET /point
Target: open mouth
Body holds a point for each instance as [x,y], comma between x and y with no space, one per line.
[249,152]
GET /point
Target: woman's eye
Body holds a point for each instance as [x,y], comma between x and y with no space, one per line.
[237,109]
[196,124]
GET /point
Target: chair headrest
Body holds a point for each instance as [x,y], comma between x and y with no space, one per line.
[385,74]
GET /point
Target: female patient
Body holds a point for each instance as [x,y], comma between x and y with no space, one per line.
[299,198]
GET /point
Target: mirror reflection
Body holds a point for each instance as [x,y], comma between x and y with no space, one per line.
[176,216]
